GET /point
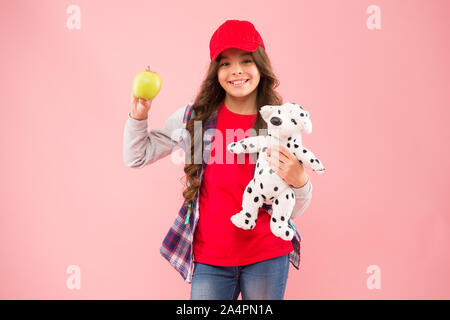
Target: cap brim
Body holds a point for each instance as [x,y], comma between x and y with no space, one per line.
[246,47]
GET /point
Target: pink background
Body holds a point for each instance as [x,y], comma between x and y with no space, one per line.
[379,103]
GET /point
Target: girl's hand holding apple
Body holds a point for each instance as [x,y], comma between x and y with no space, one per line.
[146,86]
[140,107]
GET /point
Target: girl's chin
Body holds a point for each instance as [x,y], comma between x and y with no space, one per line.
[239,92]
[237,95]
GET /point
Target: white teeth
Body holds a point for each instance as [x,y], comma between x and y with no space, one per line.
[238,82]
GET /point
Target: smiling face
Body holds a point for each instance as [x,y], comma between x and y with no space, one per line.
[237,64]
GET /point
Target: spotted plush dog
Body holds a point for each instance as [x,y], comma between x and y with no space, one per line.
[284,126]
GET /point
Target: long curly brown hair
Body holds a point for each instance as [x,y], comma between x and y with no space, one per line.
[208,100]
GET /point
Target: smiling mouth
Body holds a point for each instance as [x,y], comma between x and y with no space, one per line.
[238,84]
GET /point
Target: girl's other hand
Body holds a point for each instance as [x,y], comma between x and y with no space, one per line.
[287,166]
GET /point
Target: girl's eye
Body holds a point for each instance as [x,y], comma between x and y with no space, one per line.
[246,60]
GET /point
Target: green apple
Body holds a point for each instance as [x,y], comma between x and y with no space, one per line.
[146,84]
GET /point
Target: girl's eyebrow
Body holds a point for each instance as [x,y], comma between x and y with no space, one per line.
[244,54]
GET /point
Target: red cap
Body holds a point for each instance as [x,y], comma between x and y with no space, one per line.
[234,34]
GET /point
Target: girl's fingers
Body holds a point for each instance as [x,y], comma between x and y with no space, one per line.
[133,100]
[144,102]
[272,164]
[280,165]
[276,150]
[277,157]
[286,153]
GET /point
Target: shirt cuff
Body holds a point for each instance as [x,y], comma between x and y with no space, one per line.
[302,192]
[137,124]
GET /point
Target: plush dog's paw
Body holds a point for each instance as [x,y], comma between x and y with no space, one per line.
[236,147]
[243,221]
[282,230]
[317,166]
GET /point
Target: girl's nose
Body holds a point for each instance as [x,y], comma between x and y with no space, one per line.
[237,70]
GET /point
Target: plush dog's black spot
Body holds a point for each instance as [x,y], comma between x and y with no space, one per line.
[295,145]
[282,218]
[305,151]
[256,199]
[261,185]
[276,201]
[275,189]
[264,197]
[252,145]
[295,122]
[271,171]
[287,233]
[248,214]
[261,171]
[264,149]
[287,196]
[246,221]
[289,139]
[249,190]
[288,145]
[274,220]
[311,160]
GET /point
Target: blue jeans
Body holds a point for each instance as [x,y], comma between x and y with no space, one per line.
[264,280]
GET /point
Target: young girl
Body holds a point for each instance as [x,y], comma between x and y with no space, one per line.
[217,258]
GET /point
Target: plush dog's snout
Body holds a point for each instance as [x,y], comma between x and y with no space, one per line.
[276,121]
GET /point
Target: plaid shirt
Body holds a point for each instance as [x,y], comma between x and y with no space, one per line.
[178,244]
